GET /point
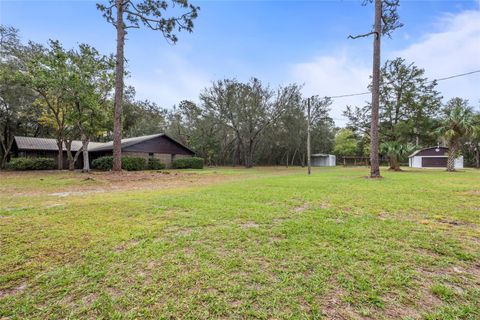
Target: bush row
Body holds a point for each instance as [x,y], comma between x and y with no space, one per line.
[128,163]
[188,163]
[31,164]
[105,163]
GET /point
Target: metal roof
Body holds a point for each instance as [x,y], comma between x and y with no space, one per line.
[30,143]
[320,155]
[420,150]
[48,144]
[125,142]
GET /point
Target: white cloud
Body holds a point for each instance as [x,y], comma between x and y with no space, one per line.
[335,75]
[175,80]
[453,49]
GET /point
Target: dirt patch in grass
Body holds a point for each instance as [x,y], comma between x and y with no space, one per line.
[333,307]
[302,208]
[126,245]
[74,193]
[80,184]
[249,225]
[13,291]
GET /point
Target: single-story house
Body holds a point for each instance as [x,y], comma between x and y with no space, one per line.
[323,160]
[159,146]
[434,157]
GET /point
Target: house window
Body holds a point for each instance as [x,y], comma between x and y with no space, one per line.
[151,155]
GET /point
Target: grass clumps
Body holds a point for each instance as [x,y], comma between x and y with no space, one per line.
[188,163]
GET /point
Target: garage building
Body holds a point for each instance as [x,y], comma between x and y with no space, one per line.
[434,157]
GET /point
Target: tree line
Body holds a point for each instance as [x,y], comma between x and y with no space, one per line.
[412,116]
[68,94]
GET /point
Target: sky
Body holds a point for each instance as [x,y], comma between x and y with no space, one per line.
[278,41]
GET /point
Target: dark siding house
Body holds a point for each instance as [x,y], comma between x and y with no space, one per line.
[159,146]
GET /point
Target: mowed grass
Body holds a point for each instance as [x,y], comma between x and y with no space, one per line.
[236,243]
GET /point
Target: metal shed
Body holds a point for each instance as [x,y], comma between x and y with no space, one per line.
[323,160]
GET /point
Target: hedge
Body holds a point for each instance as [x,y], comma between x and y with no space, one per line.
[31,164]
[128,163]
[103,163]
[134,163]
[188,163]
[155,164]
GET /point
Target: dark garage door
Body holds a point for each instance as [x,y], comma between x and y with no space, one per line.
[436,162]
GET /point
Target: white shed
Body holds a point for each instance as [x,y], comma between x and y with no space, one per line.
[323,160]
[434,157]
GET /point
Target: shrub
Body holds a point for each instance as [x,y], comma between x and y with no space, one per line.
[103,163]
[188,163]
[31,164]
[128,163]
[133,163]
[155,164]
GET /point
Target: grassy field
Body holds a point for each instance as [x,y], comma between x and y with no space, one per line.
[235,243]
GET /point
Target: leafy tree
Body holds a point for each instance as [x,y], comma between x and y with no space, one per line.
[248,109]
[472,146]
[385,22]
[89,86]
[16,112]
[46,73]
[409,105]
[457,125]
[133,14]
[345,143]
[143,118]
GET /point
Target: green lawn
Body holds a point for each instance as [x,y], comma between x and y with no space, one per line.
[236,243]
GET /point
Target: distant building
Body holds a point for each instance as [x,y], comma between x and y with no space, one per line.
[434,157]
[159,146]
[323,160]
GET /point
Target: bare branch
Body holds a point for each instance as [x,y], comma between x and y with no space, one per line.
[363,35]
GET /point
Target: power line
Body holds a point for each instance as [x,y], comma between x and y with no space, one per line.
[437,80]
[457,75]
[350,95]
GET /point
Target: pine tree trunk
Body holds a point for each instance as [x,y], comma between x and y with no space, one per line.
[119,70]
[374,149]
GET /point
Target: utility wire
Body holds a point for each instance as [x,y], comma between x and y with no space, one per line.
[437,80]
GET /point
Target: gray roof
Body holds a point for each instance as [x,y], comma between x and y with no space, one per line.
[320,155]
[47,144]
[125,142]
[30,143]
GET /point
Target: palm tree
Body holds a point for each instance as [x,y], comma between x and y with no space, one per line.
[394,151]
[457,125]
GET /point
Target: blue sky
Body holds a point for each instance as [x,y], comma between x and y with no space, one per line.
[279,42]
